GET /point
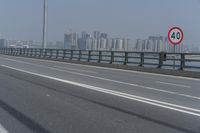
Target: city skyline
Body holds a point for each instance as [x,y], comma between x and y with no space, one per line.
[97,40]
[116,17]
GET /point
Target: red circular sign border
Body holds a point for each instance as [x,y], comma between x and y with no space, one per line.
[178,43]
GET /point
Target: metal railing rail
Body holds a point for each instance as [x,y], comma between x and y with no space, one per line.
[183,61]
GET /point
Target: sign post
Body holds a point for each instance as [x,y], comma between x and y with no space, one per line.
[175,37]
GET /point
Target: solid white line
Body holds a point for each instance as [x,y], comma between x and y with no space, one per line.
[129,84]
[19,61]
[80,70]
[157,103]
[114,69]
[173,84]
[115,81]
[3,130]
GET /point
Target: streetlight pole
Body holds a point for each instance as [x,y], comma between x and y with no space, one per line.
[45,17]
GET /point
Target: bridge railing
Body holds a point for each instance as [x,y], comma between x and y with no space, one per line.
[180,61]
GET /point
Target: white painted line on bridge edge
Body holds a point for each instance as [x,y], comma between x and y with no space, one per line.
[111,80]
[174,107]
[114,69]
[129,84]
[3,130]
[173,84]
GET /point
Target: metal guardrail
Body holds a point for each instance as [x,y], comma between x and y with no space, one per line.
[180,61]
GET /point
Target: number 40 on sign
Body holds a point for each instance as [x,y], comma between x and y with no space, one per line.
[175,36]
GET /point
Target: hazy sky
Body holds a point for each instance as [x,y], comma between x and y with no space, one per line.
[22,19]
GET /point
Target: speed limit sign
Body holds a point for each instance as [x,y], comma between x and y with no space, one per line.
[175,35]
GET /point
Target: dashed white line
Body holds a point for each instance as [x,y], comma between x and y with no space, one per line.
[174,107]
[173,84]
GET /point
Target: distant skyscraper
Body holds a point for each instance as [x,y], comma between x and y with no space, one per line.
[96,34]
[2,43]
[94,44]
[157,43]
[125,44]
[104,35]
[138,46]
[85,35]
[119,44]
[109,44]
[82,43]
[71,41]
[103,44]
[89,45]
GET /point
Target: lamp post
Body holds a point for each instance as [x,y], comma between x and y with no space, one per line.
[45,17]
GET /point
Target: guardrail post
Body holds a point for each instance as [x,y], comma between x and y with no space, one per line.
[20,51]
[36,52]
[79,55]
[16,51]
[112,57]
[31,52]
[182,63]
[100,56]
[45,53]
[51,53]
[126,58]
[71,54]
[141,59]
[89,56]
[27,52]
[64,53]
[57,52]
[11,53]
[160,62]
[40,53]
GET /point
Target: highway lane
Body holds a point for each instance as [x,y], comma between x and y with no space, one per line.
[171,112]
[134,83]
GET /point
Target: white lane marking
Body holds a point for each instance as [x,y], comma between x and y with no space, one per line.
[48,95]
[174,107]
[80,70]
[119,82]
[129,84]
[3,130]
[19,61]
[173,84]
[114,69]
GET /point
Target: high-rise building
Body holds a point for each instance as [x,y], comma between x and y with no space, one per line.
[94,44]
[109,44]
[71,41]
[138,46]
[104,35]
[96,34]
[89,45]
[2,43]
[125,44]
[119,44]
[103,44]
[81,43]
[85,35]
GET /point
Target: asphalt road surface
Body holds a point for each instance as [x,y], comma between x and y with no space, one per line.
[40,96]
